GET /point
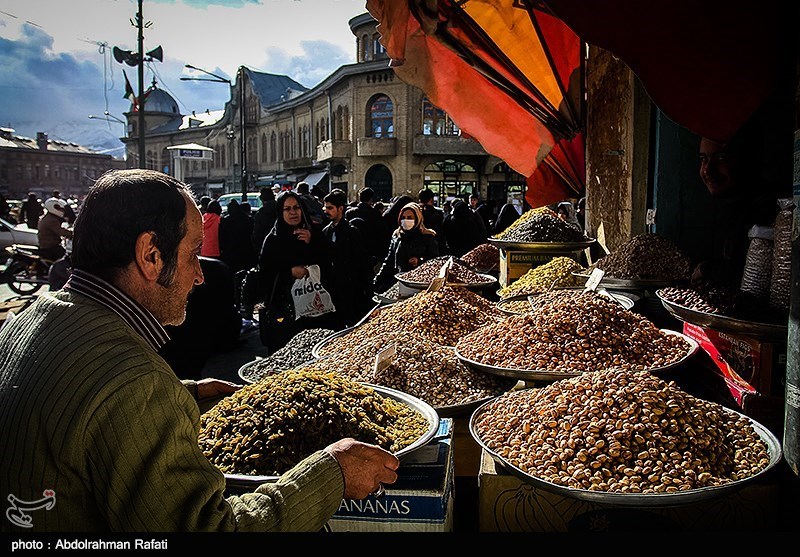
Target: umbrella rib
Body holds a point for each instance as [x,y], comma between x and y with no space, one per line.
[549,55]
[552,118]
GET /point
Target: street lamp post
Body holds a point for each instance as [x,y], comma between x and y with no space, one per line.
[242,144]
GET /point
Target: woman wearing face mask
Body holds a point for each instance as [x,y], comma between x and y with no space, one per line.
[293,243]
[411,245]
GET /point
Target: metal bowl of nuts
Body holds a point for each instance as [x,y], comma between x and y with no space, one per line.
[243,482]
[522,303]
[639,284]
[722,323]
[550,375]
[542,246]
[630,440]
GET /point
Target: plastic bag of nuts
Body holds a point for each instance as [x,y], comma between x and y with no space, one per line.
[782,257]
[758,263]
[621,432]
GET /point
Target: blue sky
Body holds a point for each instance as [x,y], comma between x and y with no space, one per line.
[56,64]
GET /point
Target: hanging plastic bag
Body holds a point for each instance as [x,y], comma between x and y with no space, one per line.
[309,296]
[758,264]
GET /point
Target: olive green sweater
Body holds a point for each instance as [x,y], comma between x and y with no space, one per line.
[91,412]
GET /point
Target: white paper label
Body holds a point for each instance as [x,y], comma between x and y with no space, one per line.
[385,358]
[650,217]
[594,280]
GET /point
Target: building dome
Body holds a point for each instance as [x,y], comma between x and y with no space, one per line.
[160,101]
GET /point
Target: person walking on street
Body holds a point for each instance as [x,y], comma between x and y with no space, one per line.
[100,421]
[432,217]
[351,269]
[376,235]
[235,246]
[264,219]
[463,228]
[50,230]
[30,211]
[211,220]
[313,205]
[412,244]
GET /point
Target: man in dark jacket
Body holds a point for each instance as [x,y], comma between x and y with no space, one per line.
[264,219]
[313,205]
[432,217]
[376,235]
[352,270]
[481,209]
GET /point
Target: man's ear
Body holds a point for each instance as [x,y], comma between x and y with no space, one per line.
[148,256]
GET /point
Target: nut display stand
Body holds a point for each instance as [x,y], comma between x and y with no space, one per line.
[517,258]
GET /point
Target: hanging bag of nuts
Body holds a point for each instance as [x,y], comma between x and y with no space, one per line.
[758,264]
[782,257]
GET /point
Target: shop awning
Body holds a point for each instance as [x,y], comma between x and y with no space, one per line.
[509,74]
[314,178]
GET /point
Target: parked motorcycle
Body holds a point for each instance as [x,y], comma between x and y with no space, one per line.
[26,272]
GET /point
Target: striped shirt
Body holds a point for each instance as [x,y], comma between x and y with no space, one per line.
[132,312]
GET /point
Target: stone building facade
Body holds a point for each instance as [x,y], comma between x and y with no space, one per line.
[42,165]
[361,126]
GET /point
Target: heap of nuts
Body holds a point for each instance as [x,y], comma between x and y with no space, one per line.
[723,300]
[645,257]
[621,432]
[459,272]
[555,273]
[442,316]
[296,352]
[423,369]
[483,258]
[541,226]
[268,427]
[574,334]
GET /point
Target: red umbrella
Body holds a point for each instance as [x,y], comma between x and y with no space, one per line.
[507,72]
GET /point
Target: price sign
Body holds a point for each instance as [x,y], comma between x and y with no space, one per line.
[385,358]
[594,280]
[650,217]
[439,281]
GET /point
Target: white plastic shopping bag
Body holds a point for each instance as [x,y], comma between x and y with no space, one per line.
[309,296]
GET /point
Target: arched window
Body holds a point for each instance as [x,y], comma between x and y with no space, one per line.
[263,148]
[435,121]
[380,115]
[366,43]
[306,143]
[323,134]
[379,178]
[377,48]
[339,131]
[222,162]
[346,123]
[273,148]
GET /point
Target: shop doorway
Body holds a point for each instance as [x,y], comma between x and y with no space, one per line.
[379,178]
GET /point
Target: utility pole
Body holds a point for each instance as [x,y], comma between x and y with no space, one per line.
[242,142]
[140,24]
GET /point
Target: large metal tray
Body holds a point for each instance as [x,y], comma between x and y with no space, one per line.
[464,410]
[639,284]
[242,481]
[546,375]
[725,324]
[246,368]
[637,499]
[490,280]
[546,247]
[621,298]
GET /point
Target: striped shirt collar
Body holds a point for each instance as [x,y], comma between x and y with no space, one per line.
[132,312]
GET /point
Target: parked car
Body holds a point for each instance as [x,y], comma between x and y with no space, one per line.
[16,234]
[253,198]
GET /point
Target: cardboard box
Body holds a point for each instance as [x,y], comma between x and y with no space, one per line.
[515,263]
[507,504]
[420,501]
[748,365]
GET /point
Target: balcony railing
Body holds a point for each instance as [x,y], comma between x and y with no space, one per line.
[446,145]
[377,146]
[334,149]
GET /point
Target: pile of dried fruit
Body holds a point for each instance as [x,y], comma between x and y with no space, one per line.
[483,258]
[621,432]
[268,427]
[459,273]
[296,352]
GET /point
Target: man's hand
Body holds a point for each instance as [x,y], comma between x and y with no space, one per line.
[212,388]
[364,467]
